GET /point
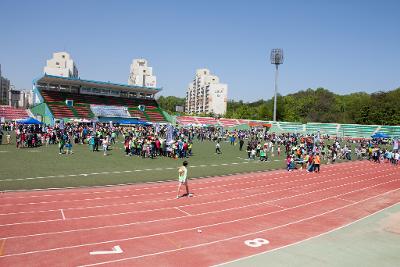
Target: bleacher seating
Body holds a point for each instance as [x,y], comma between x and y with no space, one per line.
[58,96]
[291,126]
[137,113]
[207,120]
[324,128]
[82,101]
[61,111]
[83,111]
[228,122]
[187,120]
[356,130]
[154,114]
[392,131]
[10,113]
[332,129]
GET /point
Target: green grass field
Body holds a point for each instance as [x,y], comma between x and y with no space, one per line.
[43,167]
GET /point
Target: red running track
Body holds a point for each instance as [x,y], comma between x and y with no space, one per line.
[61,228]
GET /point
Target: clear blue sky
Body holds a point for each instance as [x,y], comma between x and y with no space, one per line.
[345,46]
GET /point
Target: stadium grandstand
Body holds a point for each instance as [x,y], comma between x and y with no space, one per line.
[56,97]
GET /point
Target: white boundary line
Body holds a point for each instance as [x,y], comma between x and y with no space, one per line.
[138,170]
[347,200]
[216,201]
[164,182]
[287,175]
[238,178]
[97,173]
[124,213]
[187,213]
[62,214]
[310,238]
[249,234]
[195,215]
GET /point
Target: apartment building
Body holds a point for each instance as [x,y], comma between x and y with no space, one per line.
[141,74]
[61,65]
[205,94]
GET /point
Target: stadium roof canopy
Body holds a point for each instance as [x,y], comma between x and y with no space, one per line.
[77,82]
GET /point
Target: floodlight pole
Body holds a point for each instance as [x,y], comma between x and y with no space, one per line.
[276,89]
[276,59]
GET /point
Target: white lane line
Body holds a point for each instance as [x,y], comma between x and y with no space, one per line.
[250,234]
[205,213]
[216,224]
[84,174]
[276,205]
[227,191]
[347,200]
[114,250]
[285,175]
[135,203]
[304,240]
[187,213]
[62,214]
[254,174]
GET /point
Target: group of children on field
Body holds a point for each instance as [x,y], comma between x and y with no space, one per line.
[311,162]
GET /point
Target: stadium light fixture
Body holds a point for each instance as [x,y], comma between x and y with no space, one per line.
[276,59]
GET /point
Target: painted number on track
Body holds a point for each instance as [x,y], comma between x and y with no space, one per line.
[255,243]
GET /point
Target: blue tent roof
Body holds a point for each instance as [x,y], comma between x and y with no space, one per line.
[380,135]
[29,120]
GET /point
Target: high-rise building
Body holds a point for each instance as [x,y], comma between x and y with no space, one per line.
[61,65]
[4,89]
[19,98]
[141,74]
[206,94]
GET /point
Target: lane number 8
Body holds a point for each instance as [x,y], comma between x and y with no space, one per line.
[255,243]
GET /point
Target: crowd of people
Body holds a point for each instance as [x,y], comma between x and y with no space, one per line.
[302,151]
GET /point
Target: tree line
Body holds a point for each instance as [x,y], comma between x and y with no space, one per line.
[314,105]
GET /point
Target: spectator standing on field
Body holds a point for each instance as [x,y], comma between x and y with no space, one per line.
[317,162]
[218,148]
[182,176]
[105,145]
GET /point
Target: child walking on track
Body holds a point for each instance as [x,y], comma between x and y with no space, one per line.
[317,162]
[182,174]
